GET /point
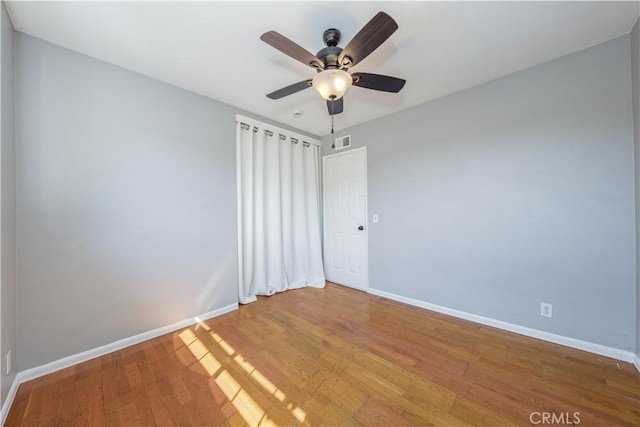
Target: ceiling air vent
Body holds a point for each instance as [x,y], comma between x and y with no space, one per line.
[342,142]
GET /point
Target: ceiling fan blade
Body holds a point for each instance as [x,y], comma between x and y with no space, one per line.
[336,106]
[288,47]
[378,82]
[372,35]
[285,91]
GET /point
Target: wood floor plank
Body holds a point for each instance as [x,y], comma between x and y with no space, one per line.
[373,413]
[334,357]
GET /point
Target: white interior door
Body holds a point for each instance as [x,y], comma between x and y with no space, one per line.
[345,218]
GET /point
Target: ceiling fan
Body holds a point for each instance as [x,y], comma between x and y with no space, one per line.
[332,62]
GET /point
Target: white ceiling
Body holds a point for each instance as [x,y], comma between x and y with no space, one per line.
[214,48]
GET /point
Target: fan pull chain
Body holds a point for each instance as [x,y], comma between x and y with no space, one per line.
[333,136]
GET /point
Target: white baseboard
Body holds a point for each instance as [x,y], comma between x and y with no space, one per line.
[636,362]
[6,405]
[602,350]
[65,362]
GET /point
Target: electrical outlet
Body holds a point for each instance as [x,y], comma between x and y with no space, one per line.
[546,309]
[8,362]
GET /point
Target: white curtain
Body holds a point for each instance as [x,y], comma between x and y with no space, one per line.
[278,211]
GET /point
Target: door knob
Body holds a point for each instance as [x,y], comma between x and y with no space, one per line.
[360,228]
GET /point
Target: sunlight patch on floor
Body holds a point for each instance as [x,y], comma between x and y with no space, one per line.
[297,412]
[246,406]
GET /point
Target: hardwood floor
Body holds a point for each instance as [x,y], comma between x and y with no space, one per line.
[336,357]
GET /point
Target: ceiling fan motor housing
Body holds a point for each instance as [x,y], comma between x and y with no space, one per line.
[329,55]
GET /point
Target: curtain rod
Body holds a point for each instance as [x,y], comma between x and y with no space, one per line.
[245,126]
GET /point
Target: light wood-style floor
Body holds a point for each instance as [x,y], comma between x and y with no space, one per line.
[335,357]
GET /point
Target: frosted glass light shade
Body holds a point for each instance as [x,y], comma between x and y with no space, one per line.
[332,83]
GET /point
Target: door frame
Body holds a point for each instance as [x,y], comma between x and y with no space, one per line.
[366,212]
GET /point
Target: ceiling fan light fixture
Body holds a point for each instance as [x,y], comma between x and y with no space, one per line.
[332,83]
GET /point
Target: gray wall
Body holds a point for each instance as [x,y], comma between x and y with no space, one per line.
[7,207]
[635,76]
[126,203]
[512,193]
